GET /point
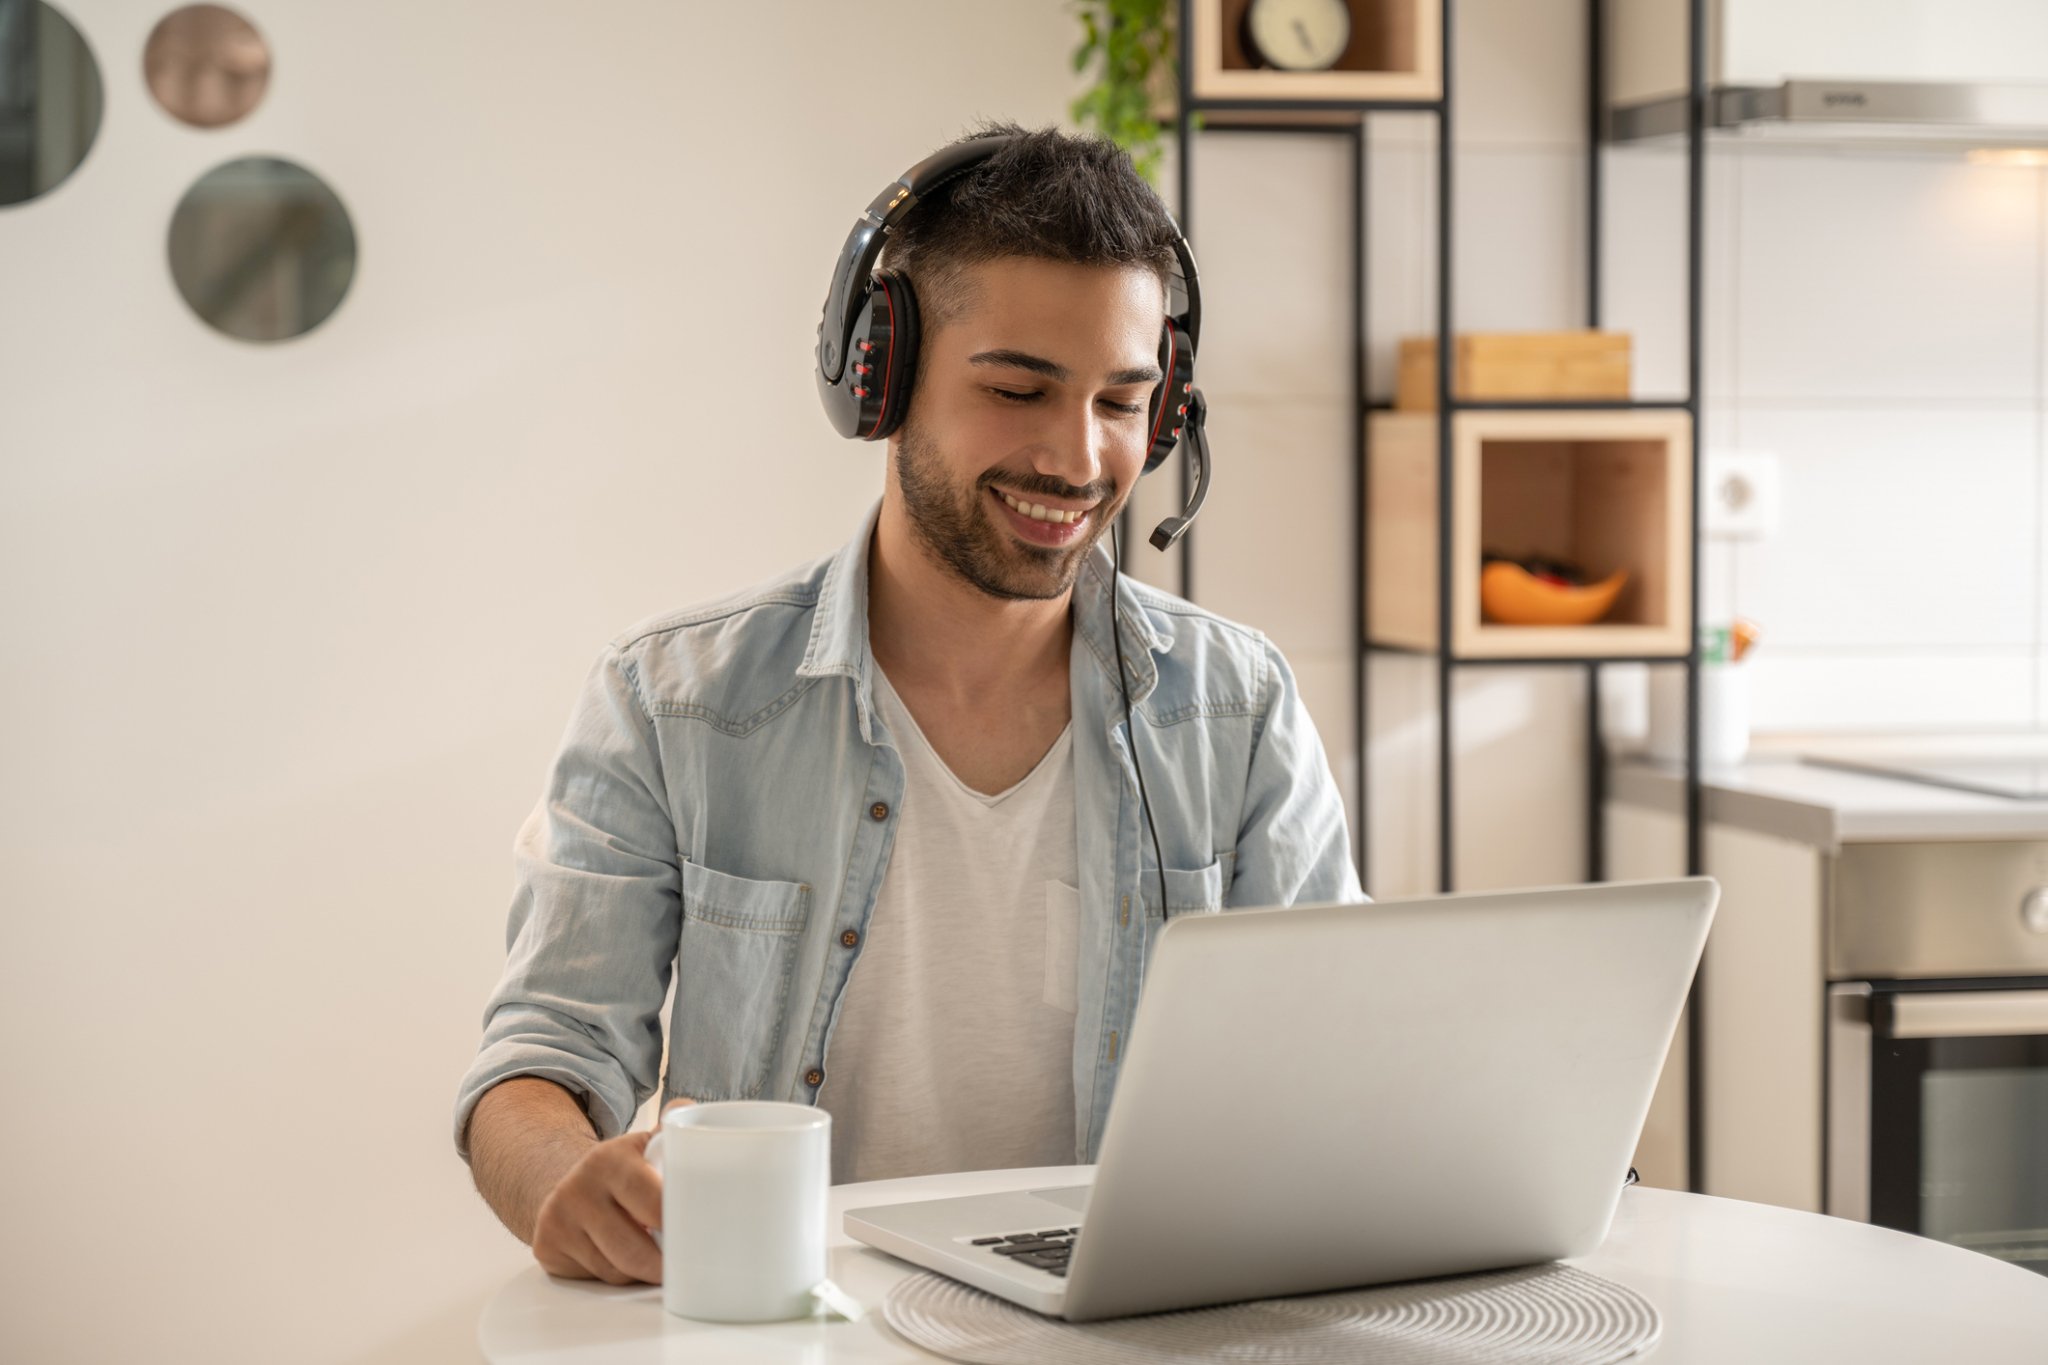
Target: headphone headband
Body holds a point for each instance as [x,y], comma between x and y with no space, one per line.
[864,244]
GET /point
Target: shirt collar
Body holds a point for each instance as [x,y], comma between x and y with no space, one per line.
[839,625]
[1142,640]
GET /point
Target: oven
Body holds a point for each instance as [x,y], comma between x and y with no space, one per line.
[1937,1043]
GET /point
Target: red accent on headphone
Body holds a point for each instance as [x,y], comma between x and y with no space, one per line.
[1172,351]
[888,369]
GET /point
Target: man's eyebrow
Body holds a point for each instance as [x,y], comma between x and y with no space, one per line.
[1052,369]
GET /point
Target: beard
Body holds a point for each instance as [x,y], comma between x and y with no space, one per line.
[958,526]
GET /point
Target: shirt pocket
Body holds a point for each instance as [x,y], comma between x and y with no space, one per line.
[1189,891]
[1198,889]
[1062,946]
[737,951]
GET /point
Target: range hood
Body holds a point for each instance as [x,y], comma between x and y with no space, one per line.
[1943,75]
[1930,115]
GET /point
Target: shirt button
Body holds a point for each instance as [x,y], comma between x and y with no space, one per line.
[814,1077]
[851,938]
[880,810]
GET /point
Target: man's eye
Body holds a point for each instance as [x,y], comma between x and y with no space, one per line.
[1128,409]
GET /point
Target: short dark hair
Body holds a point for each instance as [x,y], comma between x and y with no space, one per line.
[1049,195]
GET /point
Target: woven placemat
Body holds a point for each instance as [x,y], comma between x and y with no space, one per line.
[1535,1315]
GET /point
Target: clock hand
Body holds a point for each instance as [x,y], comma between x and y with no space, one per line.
[1307,44]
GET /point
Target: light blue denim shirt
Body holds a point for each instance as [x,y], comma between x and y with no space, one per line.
[724,804]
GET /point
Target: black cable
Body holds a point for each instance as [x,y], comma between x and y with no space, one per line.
[1123,677]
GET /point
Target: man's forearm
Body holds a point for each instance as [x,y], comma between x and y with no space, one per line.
[524,1135]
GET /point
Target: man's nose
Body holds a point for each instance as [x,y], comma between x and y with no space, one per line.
[1078,451]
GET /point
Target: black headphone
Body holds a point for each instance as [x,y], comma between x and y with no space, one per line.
[868,337]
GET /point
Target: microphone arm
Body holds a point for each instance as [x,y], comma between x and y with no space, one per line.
[1197,442]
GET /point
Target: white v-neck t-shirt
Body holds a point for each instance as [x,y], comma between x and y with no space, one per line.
[953,1050]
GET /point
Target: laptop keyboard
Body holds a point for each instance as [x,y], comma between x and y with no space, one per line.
[1048,1250]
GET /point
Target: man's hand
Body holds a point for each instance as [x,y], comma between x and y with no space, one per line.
[593,1224]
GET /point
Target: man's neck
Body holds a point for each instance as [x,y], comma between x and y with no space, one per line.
[932,631]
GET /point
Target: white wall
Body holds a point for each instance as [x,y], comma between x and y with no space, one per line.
[1886,320]
[1875,320]
[291,632]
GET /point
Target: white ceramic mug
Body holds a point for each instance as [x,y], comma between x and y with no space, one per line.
[743,1191]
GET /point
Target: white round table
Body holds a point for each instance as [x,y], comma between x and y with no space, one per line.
[1733,1281]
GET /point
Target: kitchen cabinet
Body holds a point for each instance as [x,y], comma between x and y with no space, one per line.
[1874,997]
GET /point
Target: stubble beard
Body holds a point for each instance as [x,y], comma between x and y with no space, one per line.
[958,529]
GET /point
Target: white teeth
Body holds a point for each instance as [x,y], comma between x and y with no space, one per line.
[1038,511]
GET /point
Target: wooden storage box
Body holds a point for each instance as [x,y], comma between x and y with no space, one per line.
[1606,490]
[1516,365]
[1395,53]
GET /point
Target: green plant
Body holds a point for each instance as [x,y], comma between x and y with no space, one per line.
[1133,40]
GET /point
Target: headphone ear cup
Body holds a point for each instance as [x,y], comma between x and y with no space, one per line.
[843,404]
[895,301]
[1170,400]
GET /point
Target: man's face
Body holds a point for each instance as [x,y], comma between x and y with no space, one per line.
[1036,396]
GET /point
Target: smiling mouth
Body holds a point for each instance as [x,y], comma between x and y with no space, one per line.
[1038,511]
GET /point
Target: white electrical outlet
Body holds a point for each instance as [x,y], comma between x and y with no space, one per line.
[1740,492]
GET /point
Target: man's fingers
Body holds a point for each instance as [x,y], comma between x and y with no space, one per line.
[636,1187]
[624,1244]
[594,1261]
[558,1262]
[572,1256]
[563,1243]
[594,1224]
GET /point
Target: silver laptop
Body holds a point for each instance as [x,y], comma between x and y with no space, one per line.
[1327,1096]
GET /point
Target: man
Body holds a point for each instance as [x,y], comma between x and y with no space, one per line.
[882,815]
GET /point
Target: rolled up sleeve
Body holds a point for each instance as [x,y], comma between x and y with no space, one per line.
[595,914]
[1295,843]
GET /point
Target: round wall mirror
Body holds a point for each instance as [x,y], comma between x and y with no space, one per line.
[206,65]
[262,249]
[50,99]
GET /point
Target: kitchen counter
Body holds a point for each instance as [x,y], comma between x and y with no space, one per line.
[1778,793]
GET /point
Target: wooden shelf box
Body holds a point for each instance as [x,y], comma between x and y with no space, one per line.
[1521,367]
[1395,53]
[1605,490]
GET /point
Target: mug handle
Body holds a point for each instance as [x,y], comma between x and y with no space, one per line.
[653,1154]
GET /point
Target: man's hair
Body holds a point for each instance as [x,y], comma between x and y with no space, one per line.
[1048,195]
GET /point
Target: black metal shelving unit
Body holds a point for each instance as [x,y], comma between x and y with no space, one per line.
[1217,114]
